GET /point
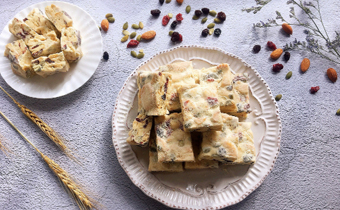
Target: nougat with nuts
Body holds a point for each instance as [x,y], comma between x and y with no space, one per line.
[39,23]
[153,92]
[48,65]
[140,132]
[70,44]
[59,17]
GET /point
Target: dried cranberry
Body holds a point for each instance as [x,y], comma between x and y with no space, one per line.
[198,13]
[25,19]
[155,12]
[176,37]
[212,101]
[166,85]
[146,123]
[271,45]
[174,24]
[106,56]
[161,2]
[277,67]
[205,11]
[179,17]
[133,43]
[286,56]
[217,32]
[221,16]
[314,89]
[205,32]
[256,48]
[48,60]
[138,119]
[165,20]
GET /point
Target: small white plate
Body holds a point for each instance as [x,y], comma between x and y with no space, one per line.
[62,83]
[199,189]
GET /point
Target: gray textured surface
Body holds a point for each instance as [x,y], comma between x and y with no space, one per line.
[305,176]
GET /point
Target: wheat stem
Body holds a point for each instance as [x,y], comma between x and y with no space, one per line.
[56,138]
[82,200]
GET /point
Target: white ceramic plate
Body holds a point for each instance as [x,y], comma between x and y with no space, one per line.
[200,189]
[62,83]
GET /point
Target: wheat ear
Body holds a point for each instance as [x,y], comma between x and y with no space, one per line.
[83,201]
[56,138]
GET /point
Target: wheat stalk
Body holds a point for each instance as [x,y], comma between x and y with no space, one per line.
[82,200]
[3,148]
[56,138]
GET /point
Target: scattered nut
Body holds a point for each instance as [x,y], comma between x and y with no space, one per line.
[211,25]
[140,55]
[188,9]
[289,75]
[278,97]
[148,35]
[170,15]
[111,19]
[211,31]
[135,26]
[332,75]
[126,25]
[125,38]
[216,20]
[195,17]
[338,112]
[125,32]
[204,20]
[108,15]
[105,25]
[139,38]
[170,33]
[132,35]
[276,54]
[305,64]
[287,28]
[133,54]
[141,25]
[212,13]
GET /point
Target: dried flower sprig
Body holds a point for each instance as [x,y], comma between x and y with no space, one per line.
[82,200]
[54,136]
[257,8]
[316,29]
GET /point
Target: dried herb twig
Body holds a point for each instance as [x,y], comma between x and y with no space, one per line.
[83,201]
[56,138]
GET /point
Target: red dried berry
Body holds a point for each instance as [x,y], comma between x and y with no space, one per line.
[271,45]
[176,37]
[221,16]
[133,43]
[180,39]
[314,89]
[179,17]
[165,20]
[277,67]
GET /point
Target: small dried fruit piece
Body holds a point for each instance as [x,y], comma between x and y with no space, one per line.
[277,67]
[271,45]
[286,56]
[141,25]
[315,89]
[105,25]
[165,20]
[287,28]
[126,25]
[216,20]
[212,13]
[132,35]
[176,37]
[338,112]
[135,26]
[211,25]
[289,75]
[205,10]
[305,64]
[204,20]
[111,19]
[332,75]
[133,54]
[256,48]
[125,38]
[179,17]
[221,16]
[155,12]
[174,24]
[161,2]
[188,9]
[133,43]
[179,1]
[217,32]
[278,97]
[276,54]
[198,13]
[148,35]
[205,32]
[106,56]
[108,15]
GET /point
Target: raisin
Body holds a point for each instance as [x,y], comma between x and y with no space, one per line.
[217,32]
[198,13]
[48,60]
[36,62]
[165,20]
[286,56]
[179,17]
[35,46]
[271,45]
[106,56]
[205,11]
[315,89]
[163,96]
[277,67]
[133,43]
[174,24]
[161,2]
[25,19]
[221,16]
[155,12]
[166,85]
[256,48]
[146,124]
[205,32]
[176,37]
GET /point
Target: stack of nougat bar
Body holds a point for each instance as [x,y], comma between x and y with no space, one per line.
[193,119]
